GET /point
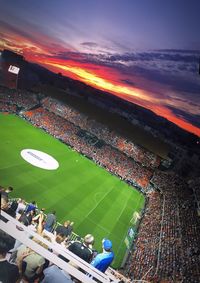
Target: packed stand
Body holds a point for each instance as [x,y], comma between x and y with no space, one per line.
[194,185]
[111,137]
[112,159]
[143,256]
[19,98]
[177,235]
[6,107]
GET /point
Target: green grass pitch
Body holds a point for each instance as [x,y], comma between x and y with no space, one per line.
[79,190]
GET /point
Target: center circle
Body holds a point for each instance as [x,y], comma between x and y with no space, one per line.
[39,159]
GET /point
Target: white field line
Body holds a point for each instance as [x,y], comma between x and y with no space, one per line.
[94,207]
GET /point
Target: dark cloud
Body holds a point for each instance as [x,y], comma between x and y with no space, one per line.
[189,99]
[191,118]
[178,51]
[69,55]
[151,56]
[127,81]
[96,48]
[89,44]
[177,83]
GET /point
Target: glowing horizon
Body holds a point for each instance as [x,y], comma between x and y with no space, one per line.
[74,70]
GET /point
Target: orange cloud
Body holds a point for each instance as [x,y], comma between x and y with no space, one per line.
[100,82]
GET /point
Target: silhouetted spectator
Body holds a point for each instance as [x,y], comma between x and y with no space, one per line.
[50,221]
[6,208]
[9,273]
[64,229]
[5,192]
[83,250]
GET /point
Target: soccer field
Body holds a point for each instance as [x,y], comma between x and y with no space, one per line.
[79,190]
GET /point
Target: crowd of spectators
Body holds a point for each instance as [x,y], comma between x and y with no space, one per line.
[111,137]
[169,235]
[17,98]
[167,243]
[195,187]
[111,158]
[143,256]
[5,107]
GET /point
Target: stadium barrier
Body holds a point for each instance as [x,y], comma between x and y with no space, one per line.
[77,267]
[90,274]
[73,236]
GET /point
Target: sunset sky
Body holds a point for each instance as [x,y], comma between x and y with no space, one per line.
[145,51]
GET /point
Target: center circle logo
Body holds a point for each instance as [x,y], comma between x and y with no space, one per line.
[39,159]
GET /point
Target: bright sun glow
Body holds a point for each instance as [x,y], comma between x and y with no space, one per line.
[92,79]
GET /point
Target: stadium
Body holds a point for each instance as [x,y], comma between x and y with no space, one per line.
[100,141]
[107,186]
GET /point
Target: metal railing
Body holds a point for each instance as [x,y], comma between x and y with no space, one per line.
[84,272]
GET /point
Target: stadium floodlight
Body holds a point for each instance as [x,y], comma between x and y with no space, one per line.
[13,69]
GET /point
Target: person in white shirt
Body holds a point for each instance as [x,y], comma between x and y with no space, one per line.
[21,206]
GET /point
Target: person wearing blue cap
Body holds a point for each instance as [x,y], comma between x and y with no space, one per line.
[103,260]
